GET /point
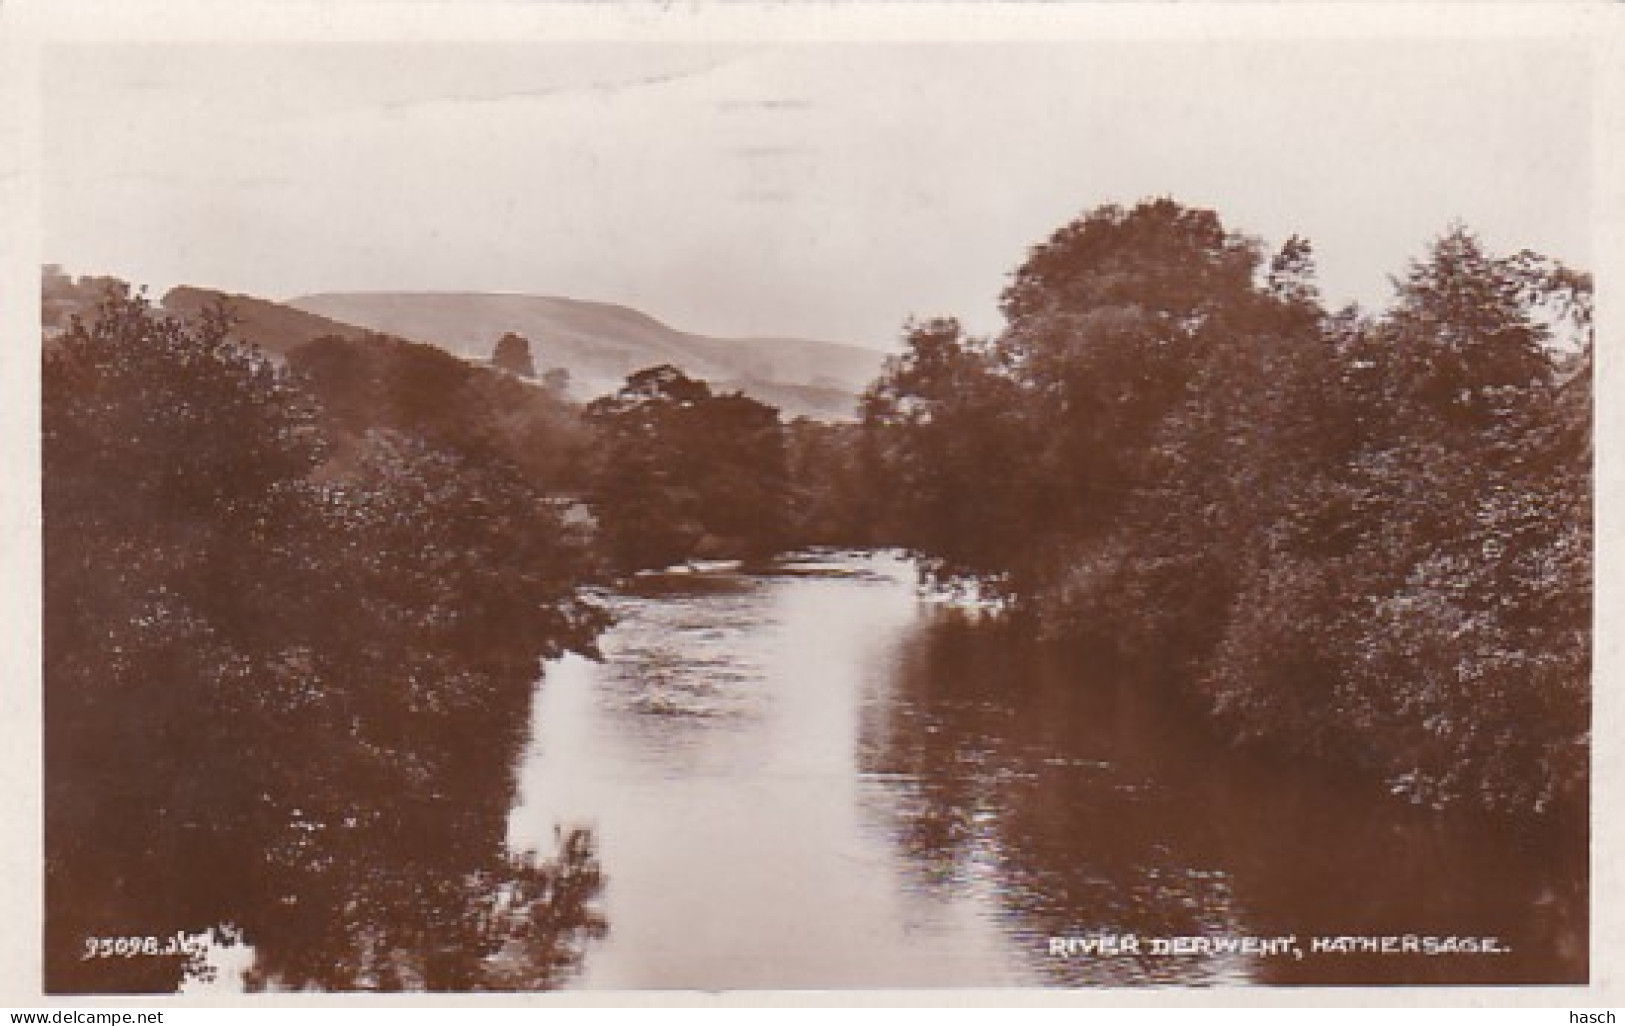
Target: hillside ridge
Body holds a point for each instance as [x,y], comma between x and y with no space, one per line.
[600,343]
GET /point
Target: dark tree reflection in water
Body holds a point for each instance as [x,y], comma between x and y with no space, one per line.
[519,923]
[1100,807]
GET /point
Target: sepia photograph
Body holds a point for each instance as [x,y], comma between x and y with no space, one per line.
[674,499]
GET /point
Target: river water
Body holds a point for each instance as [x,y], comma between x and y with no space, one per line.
[817,777]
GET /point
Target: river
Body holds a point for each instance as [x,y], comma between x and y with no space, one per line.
[817,777]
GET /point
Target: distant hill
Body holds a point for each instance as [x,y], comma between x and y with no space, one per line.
[601,343]
[274,327]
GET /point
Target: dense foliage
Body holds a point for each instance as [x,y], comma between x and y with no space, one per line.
[833,501]
[363,385]
[286,695]
[1366,539]
[684,473]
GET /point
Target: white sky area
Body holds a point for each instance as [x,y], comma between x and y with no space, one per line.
[824,190]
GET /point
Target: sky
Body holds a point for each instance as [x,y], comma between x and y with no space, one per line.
[821,190]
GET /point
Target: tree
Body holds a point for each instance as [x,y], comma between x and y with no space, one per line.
[833,499]
[1470,665]
[1107,323]
[512,354]
[952,438]
[1022,462]
[683,472]
[557,381]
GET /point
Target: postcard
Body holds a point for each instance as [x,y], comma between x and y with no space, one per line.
[560,502]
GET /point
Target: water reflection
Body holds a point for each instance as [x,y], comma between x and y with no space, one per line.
[1004,765]
[1102,807]
[812,777]
[517,922]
